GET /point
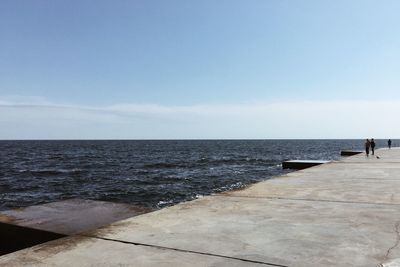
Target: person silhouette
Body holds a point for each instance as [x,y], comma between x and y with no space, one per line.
[367,145]
[389,143]
[372,144]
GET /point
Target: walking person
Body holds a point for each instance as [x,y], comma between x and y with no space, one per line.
[372,144]
[367,145]
[389,143]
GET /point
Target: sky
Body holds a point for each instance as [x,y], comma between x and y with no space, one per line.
[179,69]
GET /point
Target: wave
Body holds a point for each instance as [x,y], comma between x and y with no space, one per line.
[162,165]
[238,160]
[52,171]
[211,161]
[149,173]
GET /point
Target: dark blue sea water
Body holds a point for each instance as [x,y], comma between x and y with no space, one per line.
[147,173]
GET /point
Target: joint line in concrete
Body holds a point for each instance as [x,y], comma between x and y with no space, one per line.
[362,162]
[312,178]
[314,200]
[186,251]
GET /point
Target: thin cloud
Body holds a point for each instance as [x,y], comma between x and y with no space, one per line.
[35,117]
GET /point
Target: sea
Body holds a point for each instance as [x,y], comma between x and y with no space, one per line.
[147,173]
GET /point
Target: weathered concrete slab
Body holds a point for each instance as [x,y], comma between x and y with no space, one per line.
[384,154]
[302,164]
[324,189]
[90,252]
[70,216]
[352,170]
[286,232]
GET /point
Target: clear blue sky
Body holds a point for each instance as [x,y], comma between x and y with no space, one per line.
[174,54]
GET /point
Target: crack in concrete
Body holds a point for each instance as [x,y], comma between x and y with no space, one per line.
[187,251]
[396,228]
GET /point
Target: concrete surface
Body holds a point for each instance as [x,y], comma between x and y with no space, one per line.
[344,213]
[93,252]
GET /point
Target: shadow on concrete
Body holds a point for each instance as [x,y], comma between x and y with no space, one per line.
[15,237]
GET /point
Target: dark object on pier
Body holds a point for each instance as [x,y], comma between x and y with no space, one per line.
[301,164]
[14,237]
[350,152]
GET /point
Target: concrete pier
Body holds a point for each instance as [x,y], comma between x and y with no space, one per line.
[344,213]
